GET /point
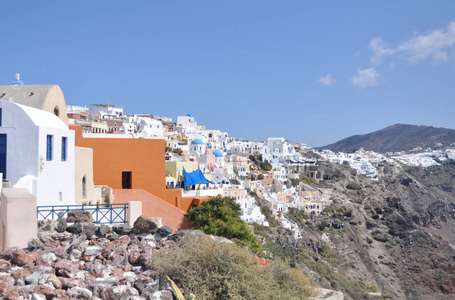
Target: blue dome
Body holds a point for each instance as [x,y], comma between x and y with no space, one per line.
[218,153]
[190,115]
[229,153]
[197,142]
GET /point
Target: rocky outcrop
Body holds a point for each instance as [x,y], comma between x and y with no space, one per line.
[86,261]
[394,235]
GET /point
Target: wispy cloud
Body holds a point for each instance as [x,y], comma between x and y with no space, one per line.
[327,80]
[435,45]
[366,77]
[379,49]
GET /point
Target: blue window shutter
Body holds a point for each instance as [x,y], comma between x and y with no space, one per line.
[64,143]
[49,148]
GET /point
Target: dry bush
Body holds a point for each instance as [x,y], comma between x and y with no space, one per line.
[211,270]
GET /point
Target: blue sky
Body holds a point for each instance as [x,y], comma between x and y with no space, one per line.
[311,71]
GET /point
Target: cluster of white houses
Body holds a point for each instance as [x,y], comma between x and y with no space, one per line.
[57,153]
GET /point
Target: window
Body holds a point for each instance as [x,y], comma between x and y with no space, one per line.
[84,187]
[126,180]
[0,117]
[49,147]
[64,147]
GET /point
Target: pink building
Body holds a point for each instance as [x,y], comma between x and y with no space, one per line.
[240,160]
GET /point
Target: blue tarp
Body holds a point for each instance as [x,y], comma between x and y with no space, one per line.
[195,177]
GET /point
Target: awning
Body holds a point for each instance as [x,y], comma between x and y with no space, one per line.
[195,177]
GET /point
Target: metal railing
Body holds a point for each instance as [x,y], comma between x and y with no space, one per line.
[101,213]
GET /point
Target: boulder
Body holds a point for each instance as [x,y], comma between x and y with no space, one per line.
[68,283]
[19,272]
[34,244]
[45,290]
[8,253]
[79,293]
[103,230]
[21,258]
[89,229]
[353,186]
[112,236]
[93,250]
[4,265]
[39,275]
[79,216]
[165,230]
[61,225]
[66,268]
[122,229]
[124,292]
[144,225]
[46,225]
[75,228]
[36,296]
[160,295]
[54,281]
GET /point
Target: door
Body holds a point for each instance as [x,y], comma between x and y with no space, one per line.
[126,180]
[3,154]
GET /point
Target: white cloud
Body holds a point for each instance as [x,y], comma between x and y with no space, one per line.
[379,49]
[327,80]
[435,46]
[366,77]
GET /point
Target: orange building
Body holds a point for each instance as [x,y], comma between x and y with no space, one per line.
[134,164]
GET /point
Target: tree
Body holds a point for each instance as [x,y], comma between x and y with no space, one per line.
[266,166]
[220,216]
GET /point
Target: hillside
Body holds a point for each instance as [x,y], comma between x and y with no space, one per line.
[394,235]
[398,137]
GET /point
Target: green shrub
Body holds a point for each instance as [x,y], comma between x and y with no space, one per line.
[297,215]
[322,225]
[325,251]
[234,181]
[211,270]
[269,217]
[309,181]
[178,151]
[266,166]
[220,216]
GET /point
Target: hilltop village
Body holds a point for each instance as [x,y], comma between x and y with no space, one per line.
[68,154]
[202,163]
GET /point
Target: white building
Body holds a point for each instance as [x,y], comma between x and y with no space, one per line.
[197,148]
[276,149]
[185,123]
[100,111]
[150,128]
[37,153]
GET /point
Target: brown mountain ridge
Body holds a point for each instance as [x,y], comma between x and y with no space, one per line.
[398,137]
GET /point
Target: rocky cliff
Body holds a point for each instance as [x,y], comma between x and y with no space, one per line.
[394,235]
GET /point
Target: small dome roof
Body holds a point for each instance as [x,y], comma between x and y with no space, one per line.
[197,142]
[229,153]
[218,153]
[190,115]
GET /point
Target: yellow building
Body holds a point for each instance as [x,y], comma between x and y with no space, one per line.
[175,177]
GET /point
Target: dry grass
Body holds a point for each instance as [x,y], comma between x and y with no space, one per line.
[211,270]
